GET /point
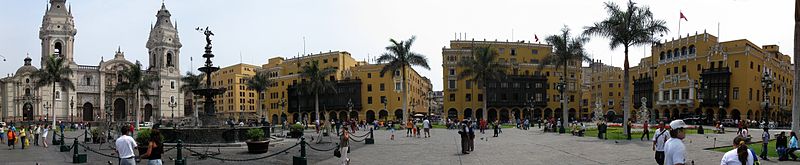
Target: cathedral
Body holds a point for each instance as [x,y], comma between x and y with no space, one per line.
[94,97]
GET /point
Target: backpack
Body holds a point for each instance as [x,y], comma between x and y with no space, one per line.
[755,158]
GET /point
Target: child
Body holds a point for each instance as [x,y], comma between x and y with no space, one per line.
[391,129]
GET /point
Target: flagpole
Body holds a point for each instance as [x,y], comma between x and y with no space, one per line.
[679,27]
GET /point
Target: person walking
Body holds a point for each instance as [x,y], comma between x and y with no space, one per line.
[344,146]
[764,143]
[792,146]
[409,128]
[12,139]
[483,125]
[154,148]
[781,146]
[462,130]
[426,125]
[125,145]
[630,125]
[471,134]
[23,137]
[660,137]
[674,149]
[495,128]
[645,131]
[36,132]
[2,134]
[740,155]
[45,131]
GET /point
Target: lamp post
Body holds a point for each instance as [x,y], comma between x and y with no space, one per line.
[561,86]
[350,105]
[383,101]
[172,105]
[46,110]
[283,120]
[766,84]
[698,85]
[71,111]
[530,103]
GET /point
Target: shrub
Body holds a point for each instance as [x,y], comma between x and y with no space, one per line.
[296,128]
[255,134]
[142,136]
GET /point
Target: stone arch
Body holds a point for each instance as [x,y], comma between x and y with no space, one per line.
[492,114]
[383,115]
[750,114]
[526,113]
[274,119]
[504,116]
[332,115]
[343,115]
[572,114]
[148,112]
[611,115]
[517,114]
[398,114]
[119,109]
[468,113]
[354,115]
[370,116]
[88,112]
[452,114]
[479,113]
[295,117]
[537,113]
[284,118]
[736,115]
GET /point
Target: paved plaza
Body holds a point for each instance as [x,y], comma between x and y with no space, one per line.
[514,146]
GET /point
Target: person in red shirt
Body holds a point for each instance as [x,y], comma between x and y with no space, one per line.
[483,125]
[646,131]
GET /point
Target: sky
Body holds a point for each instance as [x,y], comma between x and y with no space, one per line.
[252,31]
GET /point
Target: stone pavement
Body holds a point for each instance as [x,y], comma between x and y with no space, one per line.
[512,147]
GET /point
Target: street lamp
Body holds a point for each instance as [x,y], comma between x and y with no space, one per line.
[46,110]
[71,111]
[384,102]
[172,105]
[766,84]
[530,102]
[283,119]
[561,86]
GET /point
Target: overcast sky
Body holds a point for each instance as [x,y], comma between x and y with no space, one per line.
[259,30]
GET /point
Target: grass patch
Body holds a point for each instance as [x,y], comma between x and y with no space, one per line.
[756,147]
[616,133]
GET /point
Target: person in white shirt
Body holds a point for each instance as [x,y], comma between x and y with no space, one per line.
[426,124]
[659,138]
[674,150]
[125,145]
[739,154]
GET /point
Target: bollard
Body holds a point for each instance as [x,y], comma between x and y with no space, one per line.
[370,139]
[61,141]
[76,157]
[301,160]
[55,140]
[63,147]
[180,160]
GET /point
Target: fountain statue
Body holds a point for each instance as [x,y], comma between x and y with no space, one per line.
[644,113]
[208,117]
[598,111]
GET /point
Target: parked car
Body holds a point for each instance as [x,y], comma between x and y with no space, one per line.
[146,124]
[2,124]
[729,123]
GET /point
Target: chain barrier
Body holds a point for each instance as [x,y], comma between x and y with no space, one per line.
[241,160]
[55,134]
[97,152]
[354,139]
[170,149]
[365,135]
[326,150]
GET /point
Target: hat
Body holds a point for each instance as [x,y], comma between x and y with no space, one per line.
[675,124]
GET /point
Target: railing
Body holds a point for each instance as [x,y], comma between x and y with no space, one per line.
[675,102]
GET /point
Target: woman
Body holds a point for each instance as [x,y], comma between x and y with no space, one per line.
[23,137]
[154,148]
[12,139]
[740,155]
[44,135]
[344,145]
[792,145]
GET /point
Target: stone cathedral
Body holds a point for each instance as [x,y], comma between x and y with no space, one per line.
[94,98]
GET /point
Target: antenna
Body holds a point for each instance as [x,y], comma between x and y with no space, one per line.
[240,56]
[304,45]
[512,34]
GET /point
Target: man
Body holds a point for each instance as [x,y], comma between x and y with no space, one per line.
[462,130]
[409,127]
[483,125]
[125,145]
[630,125]
[36,132]
[674,150]
[426,124]
[765,142]
[660,137]
[471,135]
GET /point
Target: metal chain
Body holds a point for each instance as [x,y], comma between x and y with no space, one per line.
[170,149]
[90,149]
[354,139]
[316,149]
[242,160]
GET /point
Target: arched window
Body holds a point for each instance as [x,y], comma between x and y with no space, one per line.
[88,80]
[683,51]
[691,49]
[676,53]
[57,49]
[169,59]
[669,54]
[27,91]
[58,95]
[661,56]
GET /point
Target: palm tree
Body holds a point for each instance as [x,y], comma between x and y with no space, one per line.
[317,82]
[54,73]
[568,50]
[137,82]
[480,68]
[191,82]
[399,57]
[633,26]
[259,82]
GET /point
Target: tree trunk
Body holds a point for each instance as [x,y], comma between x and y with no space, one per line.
[405,93]
[564,112]
[485,102]
[796,105]
[136,111]
[54,105]
[626,99]
[316,106]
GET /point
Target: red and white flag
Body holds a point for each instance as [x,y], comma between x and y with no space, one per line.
[683,17]
[536,37]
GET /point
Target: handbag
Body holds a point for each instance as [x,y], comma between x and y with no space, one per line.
[337,153]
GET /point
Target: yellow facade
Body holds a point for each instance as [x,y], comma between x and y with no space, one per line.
[676,66]
[285,72]
[605,87]
[462,98]
[238,102]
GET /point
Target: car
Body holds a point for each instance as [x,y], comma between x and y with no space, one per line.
[146,124]
[729,123]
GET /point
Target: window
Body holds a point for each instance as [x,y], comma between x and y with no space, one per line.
[325,61]
[172,84]
[684,93]
[58,95]
[683,69]
[611,102]
[534,51]
[513,51]
[335,59]
[610,85]
[610,93]
[666,95]
[751,64]
[468,84]
[369,100]
[383,87]
[451,84]
[383,99]
[398,86]
[452,71]
[675,70]
[736,93]
[501,51]
[538,97]
[469,97]
[169,59]
[369,75]
[480,97]
[369,87]
[699,67]
[661,56]
[667,71]
[452,97]
[736,64]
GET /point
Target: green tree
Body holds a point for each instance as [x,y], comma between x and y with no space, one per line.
[480,68]
[317,82]
[55,73]
[568,50]
[260,83]
[633,26]
[399,57]
[191,82]
[137,81]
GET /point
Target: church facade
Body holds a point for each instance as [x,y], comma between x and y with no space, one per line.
[94,97]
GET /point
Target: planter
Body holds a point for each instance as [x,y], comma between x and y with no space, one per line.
[295,134]
[257,147]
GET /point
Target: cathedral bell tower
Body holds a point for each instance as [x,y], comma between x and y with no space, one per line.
[58,31]
[164,51]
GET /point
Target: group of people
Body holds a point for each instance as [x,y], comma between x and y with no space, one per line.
[125,146]
[668,143]
[23,135]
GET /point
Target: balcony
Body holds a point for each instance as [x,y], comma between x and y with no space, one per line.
[688,102]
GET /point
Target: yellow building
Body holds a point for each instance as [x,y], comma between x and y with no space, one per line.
[697,76]
[606,88]
[238,102]
[359,90]
[529,92]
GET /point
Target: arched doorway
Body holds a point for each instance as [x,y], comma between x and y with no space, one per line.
[479,114]
[611,115]
[526,114]
[504,118]
[27,112]
[559,113]
[517,114]
[322,116]
[383,115]
[274,119]
[675,114]
[548,113]
[88,113]
[284,118]
[343,115]
[332,114]
[398,114]
[572,114]
[492,115]
[148,112]
[354,115]
[370,116]
[452,114]
[295,118]
[749,114]
[467,113]
[537,113]
[722,114]
[736,115]
[119,110]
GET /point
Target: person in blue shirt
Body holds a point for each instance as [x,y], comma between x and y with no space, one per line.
[792,146]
